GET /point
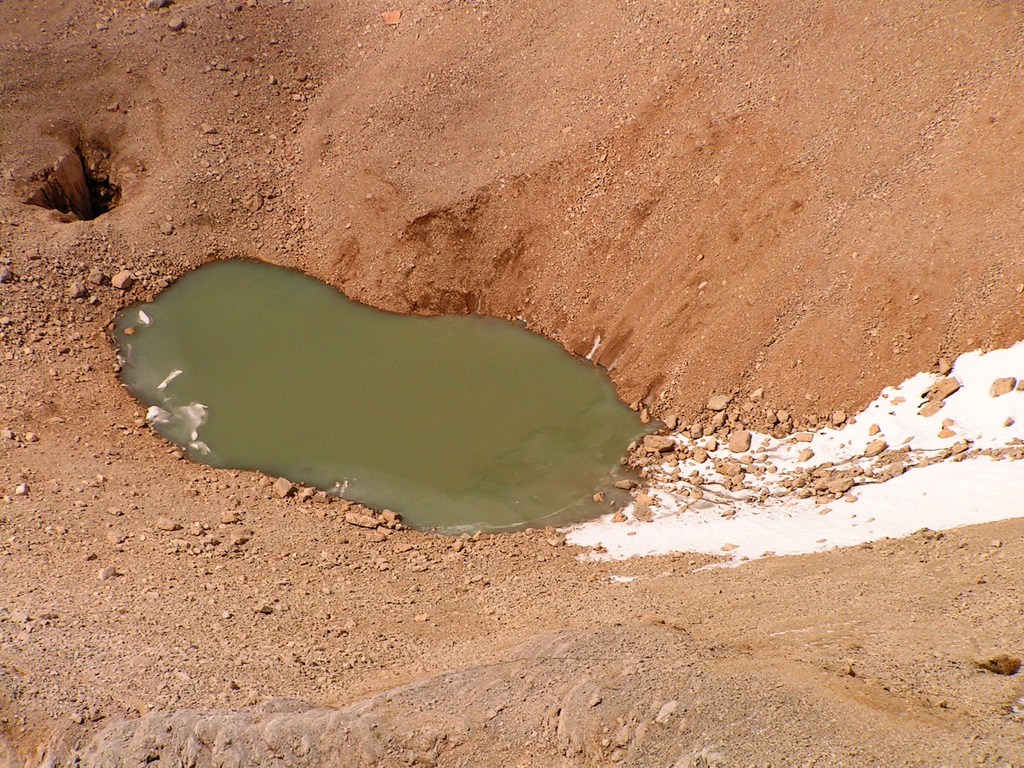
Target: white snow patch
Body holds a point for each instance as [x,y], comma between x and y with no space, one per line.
[922,480]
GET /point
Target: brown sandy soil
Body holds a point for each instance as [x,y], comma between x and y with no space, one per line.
[816,200]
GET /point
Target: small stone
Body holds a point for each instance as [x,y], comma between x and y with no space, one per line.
[123,280]
[739,441]
[946,432]
[624,485]
[208,129]
[643,513]
[284,487]
[96,277]
[658,444]
[805,455]
[360,519]
[719,402]
[700,455]
[31,437]
[7,433]
[671,421]
[874,429]
[942,389]
[21,489]
[166,228]
[803,437]
[943,367]
[874,448]
[166,524]
[729,547]
[1009,421]
[999,386]
[666,712]
[841,485]
[619,516]
[712,444]
[176,24]
[228,518]
[6,276]
[599,497]
[116,537]
[156,5]
[306,494]
[76,290]
[782,416]
[1000,664]
[931,408]
[107,573]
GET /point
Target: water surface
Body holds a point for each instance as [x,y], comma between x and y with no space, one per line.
[458,423]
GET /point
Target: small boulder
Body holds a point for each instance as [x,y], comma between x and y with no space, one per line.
[942,388]
[1001,664]
[361,520]
[658,444]
[283,487]
[719,402]
[999,387]
[166,524]
[76,290]
[739,441]
[875,447]
[123,280]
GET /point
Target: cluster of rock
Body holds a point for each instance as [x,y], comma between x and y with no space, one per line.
[714,461]
[352,513]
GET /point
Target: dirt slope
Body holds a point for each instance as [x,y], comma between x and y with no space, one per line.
[811,199]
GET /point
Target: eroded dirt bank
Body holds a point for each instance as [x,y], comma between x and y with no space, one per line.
[814,202]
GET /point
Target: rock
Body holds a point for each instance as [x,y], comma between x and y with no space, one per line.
[999,386]
[305,494]
[166,524]
[642,512]
[21,489]
[96,277]
[166,228]
[931,408]
[7,433]
[874,448]
[360,519]
[803,437]
[666,712]
[116,537]
[228,518]
[840,486]
[942,389]
[156,5]
[599,497]
[874,429]
[624,485]
[700,455]
[946,432]
[658,443]
[838,418]
[1009,421]
[283,487]
[805,455]
[6,276]
[176,24]
[943,367]
[782,416]
[619,516]
[76,290]
[123,280]
[739,441]
[719,402]
[1001,664]
[107,573]
[671,421]
[208,129]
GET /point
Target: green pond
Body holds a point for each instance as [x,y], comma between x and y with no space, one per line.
[458,423]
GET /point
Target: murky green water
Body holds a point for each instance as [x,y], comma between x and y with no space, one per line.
[457,423]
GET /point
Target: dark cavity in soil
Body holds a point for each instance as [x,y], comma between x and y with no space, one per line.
[77,188]
[458,423]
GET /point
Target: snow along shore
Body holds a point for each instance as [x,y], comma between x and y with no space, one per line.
[937,451]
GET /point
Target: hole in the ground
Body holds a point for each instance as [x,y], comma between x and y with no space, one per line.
[78,185]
